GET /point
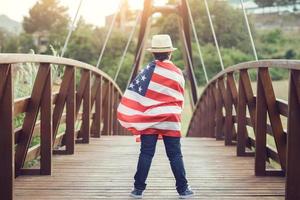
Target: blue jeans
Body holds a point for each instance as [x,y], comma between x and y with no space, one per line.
[173,149]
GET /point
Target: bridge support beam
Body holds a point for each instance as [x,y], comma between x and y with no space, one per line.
[182,10]
[293,160]
[7,140]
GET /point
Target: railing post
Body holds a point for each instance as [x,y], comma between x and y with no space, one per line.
[112,116]
[86,112]
[241,118]
[7,140]
[31,116]
[66,90]
[96,125]
[218,114]
[212,112]
[115,106]
[261,128]
[228,117]
[70,115]
[46,127]
[293,138]
[106,111]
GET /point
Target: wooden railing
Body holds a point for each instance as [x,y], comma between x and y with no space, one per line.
[221,112]
[90,105]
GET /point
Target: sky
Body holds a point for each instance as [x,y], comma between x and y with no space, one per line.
[93,11]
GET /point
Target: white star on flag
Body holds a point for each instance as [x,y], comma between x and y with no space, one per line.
[140,89]
[131,85]
[143,77]
[148,66]
[137,81]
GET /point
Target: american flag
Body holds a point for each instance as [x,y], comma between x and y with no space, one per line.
[152,104]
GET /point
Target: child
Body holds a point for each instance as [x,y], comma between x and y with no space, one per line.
[151,107]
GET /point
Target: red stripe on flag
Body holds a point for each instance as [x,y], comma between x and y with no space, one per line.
[148,119]
[169,66]
[160,96]
[166,82]
[150,131]
[135,105]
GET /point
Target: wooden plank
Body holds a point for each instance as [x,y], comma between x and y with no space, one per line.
[69,138]
[293,142]
[241,118]
[85,126]
[7,171]
[228,118]
[219,115]
[115,107]
[274,116]
[96,171]
[107,112]
[96,125]
[251,102]
[261,127]
[31,116]
[111,110]
[79,95]
[61,99]
[46,128]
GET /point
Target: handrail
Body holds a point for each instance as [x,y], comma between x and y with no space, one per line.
[12,58]
[92,105]
[214,116]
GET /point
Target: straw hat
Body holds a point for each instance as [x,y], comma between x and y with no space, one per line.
[161,43]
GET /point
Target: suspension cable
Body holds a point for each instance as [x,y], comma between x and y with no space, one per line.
[138,53]
[71,30]
[197,41]
[108,35]
[214,33]
[127,46]
[249,30]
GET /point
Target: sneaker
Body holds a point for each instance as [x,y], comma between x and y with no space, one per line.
[186,194]
[136,193]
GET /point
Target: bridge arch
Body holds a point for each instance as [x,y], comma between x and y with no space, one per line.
[221,113]
[85,104]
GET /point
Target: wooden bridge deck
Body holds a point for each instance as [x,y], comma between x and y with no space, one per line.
[104,169]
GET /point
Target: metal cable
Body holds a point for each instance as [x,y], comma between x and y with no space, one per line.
[214,34]
[197,41]
[70,30]
[138,54]
[127,46]
[249,30]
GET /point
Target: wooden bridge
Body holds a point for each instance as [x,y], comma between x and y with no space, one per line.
[83,111]
[242,142]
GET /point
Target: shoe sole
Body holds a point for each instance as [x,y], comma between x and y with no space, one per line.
[136,196]
[186,197]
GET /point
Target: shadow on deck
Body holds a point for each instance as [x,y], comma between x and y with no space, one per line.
[104,169]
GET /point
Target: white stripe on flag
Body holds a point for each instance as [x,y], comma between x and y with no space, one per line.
[145,101]
[165,90]
[169,74]
[174,126]
[149,112]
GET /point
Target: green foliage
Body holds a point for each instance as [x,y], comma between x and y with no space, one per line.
[46,15]
[87,40]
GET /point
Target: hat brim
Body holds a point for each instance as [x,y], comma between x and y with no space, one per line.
[160,50]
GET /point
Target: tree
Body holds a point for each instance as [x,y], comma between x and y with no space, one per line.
[46,15]
[48,22]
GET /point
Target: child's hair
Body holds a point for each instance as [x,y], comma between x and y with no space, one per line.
[162,56]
